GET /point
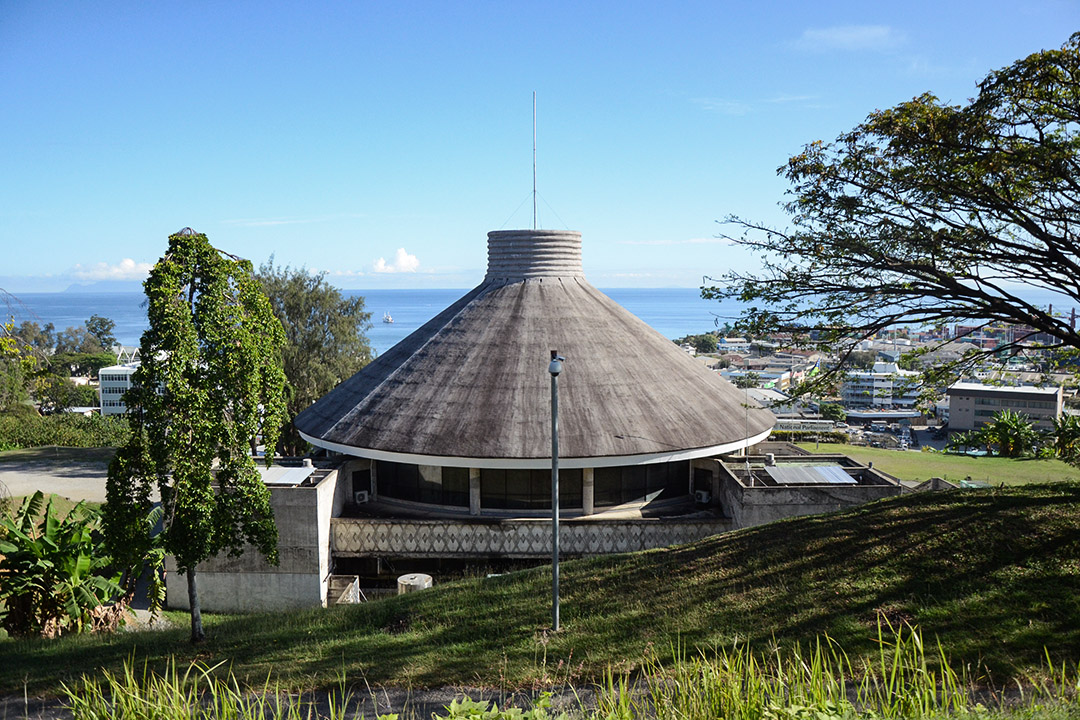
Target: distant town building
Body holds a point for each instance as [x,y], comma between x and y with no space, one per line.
[974,404]
[886,385]
[115,380]
[733,345]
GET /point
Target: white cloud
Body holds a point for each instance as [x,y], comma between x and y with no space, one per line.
[126,269]
[689,241]
[345,273]
[403,262]
[723,107]
[850,37]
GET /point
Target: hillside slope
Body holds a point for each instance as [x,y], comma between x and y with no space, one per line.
[995,574]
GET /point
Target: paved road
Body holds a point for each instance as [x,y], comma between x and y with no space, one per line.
[73,479]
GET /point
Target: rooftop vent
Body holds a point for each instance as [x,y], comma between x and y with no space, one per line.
[520,254]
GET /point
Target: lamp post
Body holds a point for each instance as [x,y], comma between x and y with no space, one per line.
[555,367]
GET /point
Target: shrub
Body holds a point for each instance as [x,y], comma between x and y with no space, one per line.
[54,571]
[67,430]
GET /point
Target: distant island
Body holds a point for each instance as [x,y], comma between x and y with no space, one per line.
[106,286]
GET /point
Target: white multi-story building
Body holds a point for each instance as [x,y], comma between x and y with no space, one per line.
[113,382]
[884,386]
[733,345]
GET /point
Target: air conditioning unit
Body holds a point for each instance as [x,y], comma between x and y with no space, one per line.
[361,496]
[702,497]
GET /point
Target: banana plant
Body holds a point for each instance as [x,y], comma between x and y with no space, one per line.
[54,572]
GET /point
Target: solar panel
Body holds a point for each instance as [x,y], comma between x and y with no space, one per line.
[278,475]
[810,475]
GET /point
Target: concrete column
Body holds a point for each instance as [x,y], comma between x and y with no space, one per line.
[374,481]
[474,491]
[716,482]
[587,487]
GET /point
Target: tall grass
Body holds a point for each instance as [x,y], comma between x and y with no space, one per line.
[906,681]
[197,692]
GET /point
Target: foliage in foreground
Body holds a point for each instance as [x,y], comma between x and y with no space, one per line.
[54,574]
[27,430]
[905,680]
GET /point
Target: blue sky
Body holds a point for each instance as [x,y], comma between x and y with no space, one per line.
[380,141]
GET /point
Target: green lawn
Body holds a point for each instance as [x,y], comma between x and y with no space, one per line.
[919,466]
[995,574]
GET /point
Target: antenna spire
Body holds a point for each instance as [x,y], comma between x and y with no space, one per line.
[534,159]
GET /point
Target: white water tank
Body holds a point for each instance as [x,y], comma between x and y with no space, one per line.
[413,582]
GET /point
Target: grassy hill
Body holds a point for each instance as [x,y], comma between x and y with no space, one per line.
[995,574]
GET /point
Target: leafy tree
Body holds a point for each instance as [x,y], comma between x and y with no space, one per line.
[929,214]
[210,382]
[41,339]
[54,572]
[101,328]
[55,392]
[704,343]
[325,338]
[81,364]
[16,365]
[834,412]
[862,359]
[77,340]
[748,380]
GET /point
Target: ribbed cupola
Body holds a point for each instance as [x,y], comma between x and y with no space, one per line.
[522,254]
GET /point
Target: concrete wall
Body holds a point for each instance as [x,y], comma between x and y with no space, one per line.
[248,583]
[750,506]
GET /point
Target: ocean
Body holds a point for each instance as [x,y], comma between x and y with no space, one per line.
[673,312]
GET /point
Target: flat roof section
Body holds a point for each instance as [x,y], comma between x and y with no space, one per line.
[810,475]
[967,388]
[279,475]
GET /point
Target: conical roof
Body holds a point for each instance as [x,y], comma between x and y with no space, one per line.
[470,388]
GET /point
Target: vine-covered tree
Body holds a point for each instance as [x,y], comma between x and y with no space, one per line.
[929,214]
[210,383]
[325,338]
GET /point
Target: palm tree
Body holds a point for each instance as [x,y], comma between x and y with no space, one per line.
[1067,438]
[1010,434]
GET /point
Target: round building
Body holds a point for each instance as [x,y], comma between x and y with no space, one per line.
[456,418]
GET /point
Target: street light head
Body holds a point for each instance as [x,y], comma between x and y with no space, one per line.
[556,363]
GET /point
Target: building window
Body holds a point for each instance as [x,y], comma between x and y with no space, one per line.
[528,489]
[427,484]
[633,483]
